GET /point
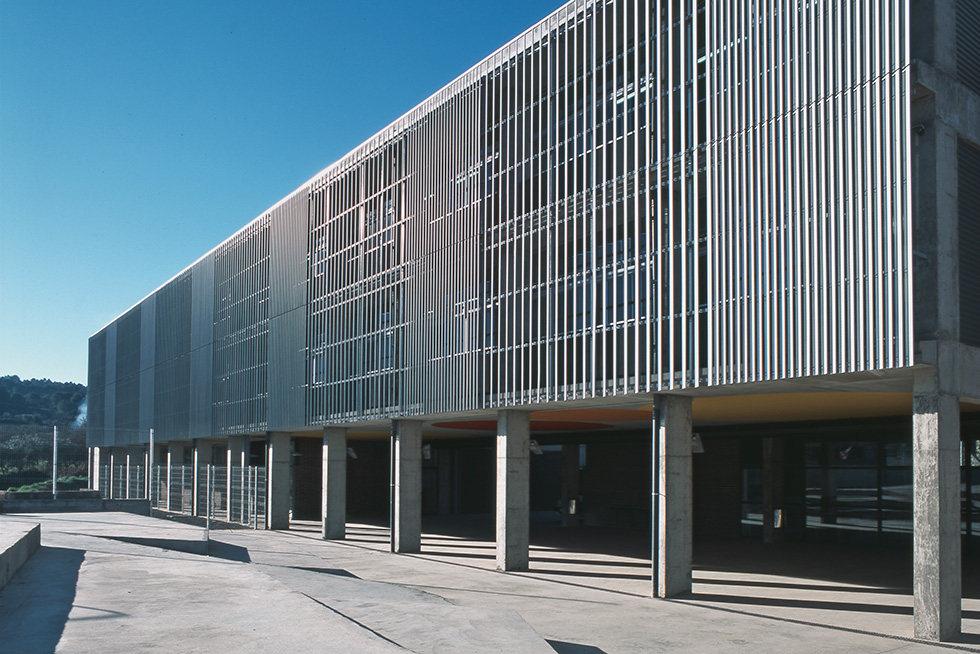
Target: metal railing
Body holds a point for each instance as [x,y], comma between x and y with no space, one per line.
[239,497]
[122,482]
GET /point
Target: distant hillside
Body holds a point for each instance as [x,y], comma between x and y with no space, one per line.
[39,401]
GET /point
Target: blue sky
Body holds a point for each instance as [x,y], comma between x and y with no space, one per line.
[136,136]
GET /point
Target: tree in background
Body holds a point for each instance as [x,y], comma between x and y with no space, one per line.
[39,401]
[29,410]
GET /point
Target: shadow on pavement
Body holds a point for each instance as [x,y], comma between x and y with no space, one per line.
[34,606]
[339,572]
[228,552]
[573,648]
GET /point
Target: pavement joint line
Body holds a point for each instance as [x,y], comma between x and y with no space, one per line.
[687,601]
[863,632]
[359,624]
[496,592]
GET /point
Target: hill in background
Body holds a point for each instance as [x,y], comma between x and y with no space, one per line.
[40,401]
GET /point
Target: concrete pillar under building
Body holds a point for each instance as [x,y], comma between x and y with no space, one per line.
[277,471]
[130,473]
[773,459]
[570,467]
[936,509]
[237,457]
[95,456]
[672,496]
[334,484]
[513,489]
[406,533]
[113,462]
[158,475]
[202,458]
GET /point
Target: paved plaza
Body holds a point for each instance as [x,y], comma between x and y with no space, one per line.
[115,582]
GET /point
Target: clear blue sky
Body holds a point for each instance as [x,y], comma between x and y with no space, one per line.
[136,136]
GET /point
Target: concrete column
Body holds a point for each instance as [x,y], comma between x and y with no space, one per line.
[772,489]
[407,532]
[160,489]
[112,473]
[513,489]
[936,509]
[334,502]
[202,457]
[237,457]
[672,499]
[96,467]
[130,473]
[277,470]
[570,466]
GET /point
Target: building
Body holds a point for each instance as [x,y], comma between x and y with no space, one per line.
[634,217]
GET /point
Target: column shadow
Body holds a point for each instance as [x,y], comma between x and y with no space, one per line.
[34,606]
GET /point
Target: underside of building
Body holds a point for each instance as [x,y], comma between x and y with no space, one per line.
[672,269]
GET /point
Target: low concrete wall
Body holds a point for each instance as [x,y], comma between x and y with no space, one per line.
[142,507]
[17,544]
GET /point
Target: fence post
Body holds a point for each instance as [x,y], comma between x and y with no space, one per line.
[149,470]
[207,508]
[54,466]
[255,497]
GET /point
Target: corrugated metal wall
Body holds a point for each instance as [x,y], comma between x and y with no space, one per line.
[172,367]
[968,192]
[288,264]
[110,381]
[202,348]
[148,323]
[96,435]
[127,391]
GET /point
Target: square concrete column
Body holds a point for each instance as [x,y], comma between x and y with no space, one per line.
[570,470]
[406,533]
[277,470]
[237,457]
[513,489]
[334,502]
[96,467]
[113,462]
[773,459]
[936,509]
[672,496]
[130,472]
[203,456]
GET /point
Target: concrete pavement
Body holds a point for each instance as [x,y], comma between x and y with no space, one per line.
[96,587]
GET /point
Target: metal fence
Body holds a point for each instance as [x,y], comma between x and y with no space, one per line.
[29,462]
[247,495]
[122,482]
[239,497]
